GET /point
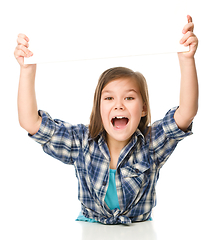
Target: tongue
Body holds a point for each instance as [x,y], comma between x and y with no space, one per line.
[120,123]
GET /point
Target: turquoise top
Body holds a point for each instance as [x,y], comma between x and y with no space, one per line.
[111,197]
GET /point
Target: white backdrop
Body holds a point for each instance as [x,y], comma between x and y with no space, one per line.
[38,194]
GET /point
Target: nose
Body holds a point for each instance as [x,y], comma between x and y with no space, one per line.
[119,105]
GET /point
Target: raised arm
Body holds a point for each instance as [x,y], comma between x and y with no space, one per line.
[189,83]
[27,105]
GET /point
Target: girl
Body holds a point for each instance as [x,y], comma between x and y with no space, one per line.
[117,157]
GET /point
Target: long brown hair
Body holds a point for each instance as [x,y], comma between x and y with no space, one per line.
[109,75]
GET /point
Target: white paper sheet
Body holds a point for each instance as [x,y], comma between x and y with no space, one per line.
[81,30]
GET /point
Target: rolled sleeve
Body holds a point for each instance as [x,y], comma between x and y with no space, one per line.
[165,135]
[60,139]
[171,129]
[46,130]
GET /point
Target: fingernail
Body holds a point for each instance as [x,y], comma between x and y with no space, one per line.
[184,31]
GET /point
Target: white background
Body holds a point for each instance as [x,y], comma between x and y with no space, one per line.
[38,194]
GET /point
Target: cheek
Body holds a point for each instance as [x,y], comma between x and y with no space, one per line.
[137,112]
[103,112]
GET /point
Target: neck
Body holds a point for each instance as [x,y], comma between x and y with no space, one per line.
[115,148]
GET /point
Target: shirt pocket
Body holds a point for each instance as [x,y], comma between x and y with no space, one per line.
[135,170]
[135,181]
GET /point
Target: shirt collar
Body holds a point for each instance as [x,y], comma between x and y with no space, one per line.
[101,137]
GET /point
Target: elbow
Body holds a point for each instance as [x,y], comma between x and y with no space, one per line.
[31,128]
[21,123]
[25,126]
[189,113]
[189,117]
[184,117]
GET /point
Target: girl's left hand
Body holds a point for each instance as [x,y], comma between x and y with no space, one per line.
[189,39]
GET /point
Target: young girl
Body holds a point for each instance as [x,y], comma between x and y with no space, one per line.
[118,156]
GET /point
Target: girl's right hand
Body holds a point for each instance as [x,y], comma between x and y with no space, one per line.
[22,50]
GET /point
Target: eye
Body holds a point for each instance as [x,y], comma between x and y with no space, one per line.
[108,98]
[129,98]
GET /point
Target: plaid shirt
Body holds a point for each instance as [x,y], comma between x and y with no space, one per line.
[137,169]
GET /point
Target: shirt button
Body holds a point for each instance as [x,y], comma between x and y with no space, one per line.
[136,170]
[104,183]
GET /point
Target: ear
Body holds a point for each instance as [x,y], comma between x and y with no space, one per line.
[144,111]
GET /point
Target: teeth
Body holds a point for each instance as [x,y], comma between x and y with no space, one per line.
[119,117]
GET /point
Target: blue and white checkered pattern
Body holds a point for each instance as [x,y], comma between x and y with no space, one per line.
[137,170]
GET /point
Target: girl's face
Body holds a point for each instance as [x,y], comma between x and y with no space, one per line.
[121,109]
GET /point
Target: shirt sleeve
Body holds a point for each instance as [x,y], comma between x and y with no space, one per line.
[59,139]
[165,135]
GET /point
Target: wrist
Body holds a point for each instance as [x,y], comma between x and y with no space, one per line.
[184,56]
[27,73]
[185,60]
[28,69]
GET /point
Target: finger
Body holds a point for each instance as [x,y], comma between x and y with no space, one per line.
[189,18]
[22,41]
[19,53]
[21,35]
[186,37]
[188,27]
[26,51]
[191,40]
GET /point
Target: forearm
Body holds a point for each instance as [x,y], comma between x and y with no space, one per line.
[27,105]
[189,83]
[188,89]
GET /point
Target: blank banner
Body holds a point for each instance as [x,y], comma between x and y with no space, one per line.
[82,29]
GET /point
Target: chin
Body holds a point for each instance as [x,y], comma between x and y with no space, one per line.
[120,137]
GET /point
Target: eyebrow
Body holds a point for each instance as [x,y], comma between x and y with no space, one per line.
[127,91]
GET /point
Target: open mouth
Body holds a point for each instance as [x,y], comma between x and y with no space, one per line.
[119,122]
